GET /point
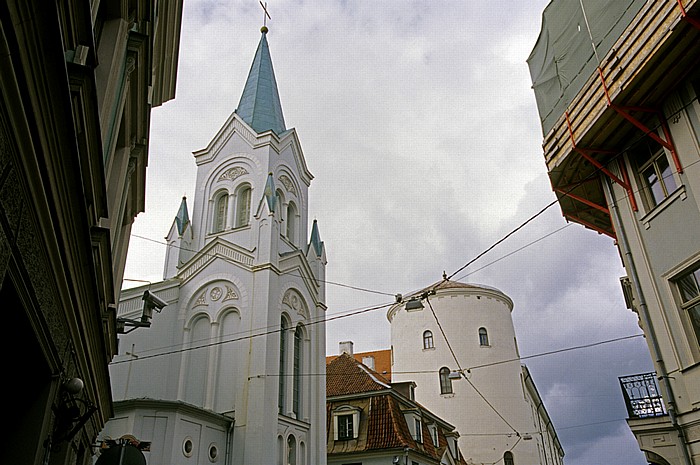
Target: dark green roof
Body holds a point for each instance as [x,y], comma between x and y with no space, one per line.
[260,103]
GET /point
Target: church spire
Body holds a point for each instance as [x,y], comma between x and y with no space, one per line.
[260,105]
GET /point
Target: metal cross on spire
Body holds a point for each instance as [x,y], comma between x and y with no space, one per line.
[266,16]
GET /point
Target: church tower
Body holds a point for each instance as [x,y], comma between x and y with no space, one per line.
[231,368]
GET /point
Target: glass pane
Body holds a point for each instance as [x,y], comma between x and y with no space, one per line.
[694,314]
[655,188]
[688,286]
[666,174]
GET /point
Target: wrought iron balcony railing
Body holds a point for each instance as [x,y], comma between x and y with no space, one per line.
[642,396]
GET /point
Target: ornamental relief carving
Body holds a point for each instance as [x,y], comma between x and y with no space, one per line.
[288,184]
[202,300]
[230,294]
[233,173]
[296,302]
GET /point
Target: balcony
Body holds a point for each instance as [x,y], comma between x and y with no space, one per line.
[642,396]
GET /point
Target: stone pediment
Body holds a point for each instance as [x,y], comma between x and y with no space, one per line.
[218,248]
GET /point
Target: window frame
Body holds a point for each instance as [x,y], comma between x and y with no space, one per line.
[220,212]
[418,429]
[484,337]
[428,340]
[346,411]
[508,458]
[244,193]
[687,303]
[645,155]
[445,381]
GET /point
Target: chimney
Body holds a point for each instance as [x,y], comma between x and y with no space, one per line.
[369,361]
[346,347]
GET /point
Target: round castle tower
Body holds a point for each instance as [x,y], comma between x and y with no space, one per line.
[487,401]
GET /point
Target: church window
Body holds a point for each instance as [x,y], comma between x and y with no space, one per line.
[291,450]
[688,285]
[428,340]
[283,364]
[243,206]
[220,210]
[298,339]
[445,381]
[508,458]
[292,222]
[483,337]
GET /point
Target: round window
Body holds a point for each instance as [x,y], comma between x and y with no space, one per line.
[213,452]
[187,447]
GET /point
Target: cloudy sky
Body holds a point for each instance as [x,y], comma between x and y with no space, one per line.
[419,124]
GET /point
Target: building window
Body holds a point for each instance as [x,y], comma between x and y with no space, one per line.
[243,206]
[220,210]
[689,290]
[428,340]
[298,338]
[434,435]
[445,381]
[483,337]
[412,392]
[655,172]
[419,430]
[346,428]
[283,364]
[508,458]
[292,222]
[346,423]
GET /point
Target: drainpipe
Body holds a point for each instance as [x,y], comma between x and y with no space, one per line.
[644,315]
[228,460]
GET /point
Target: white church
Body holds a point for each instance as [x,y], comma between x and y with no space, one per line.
[232,368]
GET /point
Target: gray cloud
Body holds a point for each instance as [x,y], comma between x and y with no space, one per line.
[419,124]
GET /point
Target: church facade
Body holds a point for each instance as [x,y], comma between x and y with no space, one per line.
[232,368]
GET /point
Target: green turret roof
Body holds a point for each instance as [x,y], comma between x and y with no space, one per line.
[260,103]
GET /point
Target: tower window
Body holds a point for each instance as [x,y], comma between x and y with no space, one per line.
[220,210]
[508,458]
[483,337]
[243,206]
[292,222]
[428,340]
[298,336]
[445,381]
[283,362]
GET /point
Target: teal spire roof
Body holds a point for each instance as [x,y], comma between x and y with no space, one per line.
[182,218]
[316,241]
[260,103]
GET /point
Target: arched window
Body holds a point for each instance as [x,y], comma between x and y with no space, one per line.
[508,458]
[283,364]
[220,210]
[483,337]
[445,381]
[428,340]
[243,206]
[298,339]
[291,450]
[292,222]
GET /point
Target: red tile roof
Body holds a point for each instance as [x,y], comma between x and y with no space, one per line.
[345,375]
[382,361]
